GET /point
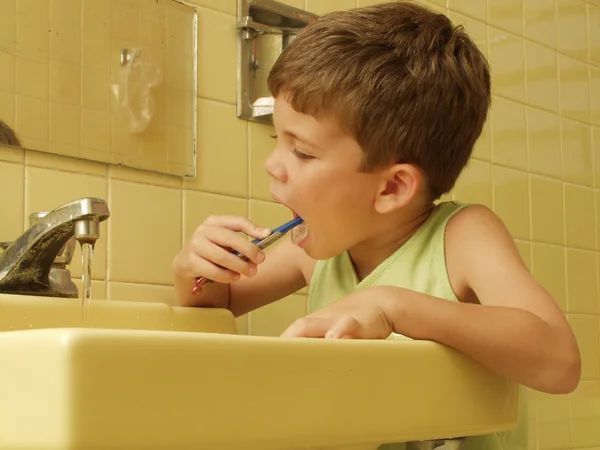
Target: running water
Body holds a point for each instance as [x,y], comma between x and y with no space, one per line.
[87,252]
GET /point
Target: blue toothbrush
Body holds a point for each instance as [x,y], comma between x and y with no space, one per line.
[275,235]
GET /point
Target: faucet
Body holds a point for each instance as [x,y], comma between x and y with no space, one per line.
[35,263]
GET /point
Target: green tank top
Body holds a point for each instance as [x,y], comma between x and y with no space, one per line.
[419,265]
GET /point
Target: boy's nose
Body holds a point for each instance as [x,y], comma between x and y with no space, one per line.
[274,167]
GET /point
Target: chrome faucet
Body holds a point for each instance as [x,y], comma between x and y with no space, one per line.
[35,263]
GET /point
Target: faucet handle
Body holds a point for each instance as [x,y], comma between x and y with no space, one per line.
[65,255]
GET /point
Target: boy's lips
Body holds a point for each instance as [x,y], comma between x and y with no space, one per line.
[278,200]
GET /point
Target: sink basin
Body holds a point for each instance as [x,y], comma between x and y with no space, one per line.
[150,376]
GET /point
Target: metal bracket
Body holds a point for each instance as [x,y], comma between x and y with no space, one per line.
[265,29]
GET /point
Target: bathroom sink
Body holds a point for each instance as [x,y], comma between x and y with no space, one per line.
[150,376]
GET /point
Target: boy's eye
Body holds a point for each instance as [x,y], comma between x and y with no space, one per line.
[273,136]
[301,155]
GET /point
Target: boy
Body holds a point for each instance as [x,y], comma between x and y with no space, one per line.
[376,111]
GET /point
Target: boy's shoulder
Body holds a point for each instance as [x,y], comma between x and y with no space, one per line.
[479,246]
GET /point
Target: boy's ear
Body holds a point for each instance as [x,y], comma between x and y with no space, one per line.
[399,186]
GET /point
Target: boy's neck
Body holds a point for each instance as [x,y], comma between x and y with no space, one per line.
[387,239]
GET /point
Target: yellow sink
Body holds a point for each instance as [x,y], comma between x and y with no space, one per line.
[150,376]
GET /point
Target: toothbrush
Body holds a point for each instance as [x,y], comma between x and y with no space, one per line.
[275,235]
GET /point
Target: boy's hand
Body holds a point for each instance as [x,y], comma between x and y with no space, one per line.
[357,316]
[208,252]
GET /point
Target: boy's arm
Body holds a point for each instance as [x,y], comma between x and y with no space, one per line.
[284,271]
[518,330]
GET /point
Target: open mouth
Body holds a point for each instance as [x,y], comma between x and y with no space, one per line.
[298,233]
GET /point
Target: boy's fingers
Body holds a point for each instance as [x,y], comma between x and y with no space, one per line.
[238,223]
[346,327]
[315,327]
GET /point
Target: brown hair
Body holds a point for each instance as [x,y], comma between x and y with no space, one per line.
[402,80]
[8,136]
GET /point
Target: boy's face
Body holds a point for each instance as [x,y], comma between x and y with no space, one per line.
[315,172]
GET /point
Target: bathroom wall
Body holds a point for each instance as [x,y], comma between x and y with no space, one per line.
[537,165]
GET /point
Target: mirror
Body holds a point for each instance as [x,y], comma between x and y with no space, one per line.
[106,80]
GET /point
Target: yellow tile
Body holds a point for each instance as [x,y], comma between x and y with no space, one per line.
[577,152]
[542,76]
[96,17]
[135,292]
[222,153]
[227,6]
[483,147]
[585,414]
[540,21]
[595,94]
[139,176]
[216,63]
[321,7]
[543,140]
[7,75]
[124,21]
[47,189]
[63,125]
[511,200]
[582,294]
[593,28]
[574,89]
[144,237]
[506,15]
[12,180]
[95,51]
[553,421]
[261,145]
[32,77]
[95,90]
[65,42]
[295,3]
[475,184]
[553,435]
[33,37]
[77,165]
[273,319]
[475,28]
[524,248]
[95,130]
[8,32]
[32,121]
[8,109]
[548,267]
[98,288]
[587,332]
[580,222]
[507,62]
[509,134]
[12,154]
[66,11]
[436,5]
[242,322]
[268,214]
[547,218]
[571,33]
[65,83]
[33,7]
[198,206]
[596,155]
[477,10]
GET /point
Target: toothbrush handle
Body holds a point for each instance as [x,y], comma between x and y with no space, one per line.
[260,243]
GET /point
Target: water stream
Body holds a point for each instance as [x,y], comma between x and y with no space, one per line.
[87,252]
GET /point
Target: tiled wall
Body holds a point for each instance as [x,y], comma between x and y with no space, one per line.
[537,165]
[60,59]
